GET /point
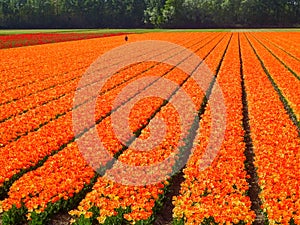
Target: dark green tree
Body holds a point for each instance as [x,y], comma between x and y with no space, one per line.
[148,13]
[153,13]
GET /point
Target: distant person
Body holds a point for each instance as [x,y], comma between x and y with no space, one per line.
[126,38]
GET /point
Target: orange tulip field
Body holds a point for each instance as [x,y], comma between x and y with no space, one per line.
[222,147]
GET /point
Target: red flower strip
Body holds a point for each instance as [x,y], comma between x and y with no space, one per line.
[19,40]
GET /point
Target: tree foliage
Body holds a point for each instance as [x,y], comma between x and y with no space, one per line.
[148,13]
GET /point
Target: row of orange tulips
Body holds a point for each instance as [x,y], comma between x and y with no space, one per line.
[35,100]
[108,99]
[53,135]
[288,42]
[290,61]
[287,82]
[218,193]
[275,143]
[114,195]
[69,57]
[71,162]
[44,113]
[46,70]
[49,138]
[47,98]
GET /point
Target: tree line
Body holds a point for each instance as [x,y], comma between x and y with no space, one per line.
[148,13]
